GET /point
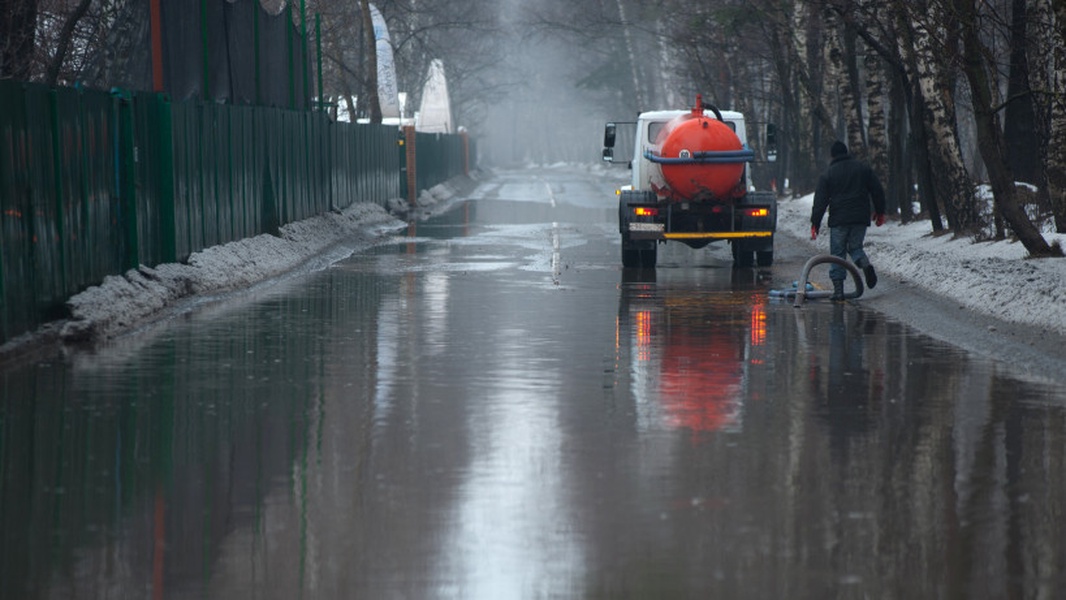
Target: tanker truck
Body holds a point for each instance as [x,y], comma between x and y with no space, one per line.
[690,184]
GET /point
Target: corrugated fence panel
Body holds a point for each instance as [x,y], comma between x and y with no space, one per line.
[213,205]
[17,300]
[439,158]
[42,172]
[92,183]
[147,165]
[88,143]
[187,181]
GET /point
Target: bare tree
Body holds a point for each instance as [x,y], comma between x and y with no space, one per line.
[18,28]
[1024,143]
[990,133]
[373,100]
[63,41]
[933,47]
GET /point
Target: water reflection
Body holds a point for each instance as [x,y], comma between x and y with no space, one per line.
[692,350]
[131,468]
[839,454]
[400,427]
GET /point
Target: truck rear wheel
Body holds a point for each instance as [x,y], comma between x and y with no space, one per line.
[639,255]
[742,257]
[764,259]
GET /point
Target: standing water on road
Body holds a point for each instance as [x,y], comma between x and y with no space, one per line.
[487,406]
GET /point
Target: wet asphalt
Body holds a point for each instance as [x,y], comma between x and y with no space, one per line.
[487,406]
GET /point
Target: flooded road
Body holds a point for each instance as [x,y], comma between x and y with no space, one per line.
[486,406]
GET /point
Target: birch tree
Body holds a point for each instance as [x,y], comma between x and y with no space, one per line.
[841,81]
[1055,165]
[935,81]
[876,101]
[992,144]
[919,141]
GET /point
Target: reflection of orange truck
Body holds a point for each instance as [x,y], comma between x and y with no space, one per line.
[690,184]
[690,371]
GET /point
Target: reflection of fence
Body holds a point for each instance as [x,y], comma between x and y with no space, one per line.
[93,184]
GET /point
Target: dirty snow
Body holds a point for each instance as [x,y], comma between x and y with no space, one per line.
[123,302]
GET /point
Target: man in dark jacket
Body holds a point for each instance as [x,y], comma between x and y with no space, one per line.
[846,189]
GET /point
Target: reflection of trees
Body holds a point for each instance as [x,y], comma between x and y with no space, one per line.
[869,456]
[939,467]
[86,451]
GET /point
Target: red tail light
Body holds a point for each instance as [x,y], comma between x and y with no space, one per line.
[643,211]
[758,212]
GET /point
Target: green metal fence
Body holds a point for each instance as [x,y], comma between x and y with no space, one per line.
[95,183]
[438,155]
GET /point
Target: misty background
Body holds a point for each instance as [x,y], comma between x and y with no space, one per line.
[939,96]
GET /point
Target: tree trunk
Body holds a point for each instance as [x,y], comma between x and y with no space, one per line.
[1056,159]
[929,192]
[876,140]
[851,94]
[810,72]
[921,161]
[953,182]
[787,138]
[63,43]
[990,138]
[627,35]
[833,85]
[898,182]
[1023,143]
[374,101]
[802,126]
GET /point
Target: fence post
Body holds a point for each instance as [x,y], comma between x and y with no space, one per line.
[165,155]
[466,151]
[318,45]
[57,182]
[412,164]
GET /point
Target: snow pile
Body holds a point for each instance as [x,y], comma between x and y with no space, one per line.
[122,302]
[992,278]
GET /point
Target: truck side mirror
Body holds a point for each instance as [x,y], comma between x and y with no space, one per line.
[771,142]
[608,135]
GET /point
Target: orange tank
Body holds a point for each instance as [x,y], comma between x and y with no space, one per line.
[687,138]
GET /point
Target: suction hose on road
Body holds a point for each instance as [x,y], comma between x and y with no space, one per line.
[804,291]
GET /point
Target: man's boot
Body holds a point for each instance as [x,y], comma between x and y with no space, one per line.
[838,291]
[871,275]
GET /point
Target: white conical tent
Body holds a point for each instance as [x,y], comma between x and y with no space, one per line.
[387,94]
[435,111]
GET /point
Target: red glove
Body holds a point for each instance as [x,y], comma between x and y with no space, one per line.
[879,218]
[814,232]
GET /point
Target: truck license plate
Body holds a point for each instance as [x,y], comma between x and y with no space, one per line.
[645,226]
